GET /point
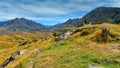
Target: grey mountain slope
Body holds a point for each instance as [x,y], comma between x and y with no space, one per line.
[98,15]
[20,24]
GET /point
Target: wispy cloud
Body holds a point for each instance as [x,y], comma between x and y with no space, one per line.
[115,3]
[50,10]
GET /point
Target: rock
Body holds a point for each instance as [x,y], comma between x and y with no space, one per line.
[22,51]
[5,63]
[15,55]
[68,33]
[61,37]
[23,43]
[64,35]
[94,66]
[12,58]
[37,51]
[104,34]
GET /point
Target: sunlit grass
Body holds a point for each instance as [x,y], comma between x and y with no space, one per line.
[79,51]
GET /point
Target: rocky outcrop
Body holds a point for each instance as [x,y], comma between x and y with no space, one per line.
[37,51]
[64,36]
[12,58]
[104,34]
[94,66]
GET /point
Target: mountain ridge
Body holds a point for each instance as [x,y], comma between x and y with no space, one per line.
[20,24]
[97,15]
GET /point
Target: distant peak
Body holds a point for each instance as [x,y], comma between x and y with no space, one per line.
[20,18]
[15,18]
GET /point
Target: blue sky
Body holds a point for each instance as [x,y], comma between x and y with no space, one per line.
[50,11]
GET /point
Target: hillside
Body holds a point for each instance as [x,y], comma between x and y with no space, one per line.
[19,24]
[25,43]
[83,48]
[97,15]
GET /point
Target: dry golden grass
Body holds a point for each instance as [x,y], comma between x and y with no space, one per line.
[78,51]
[43,39]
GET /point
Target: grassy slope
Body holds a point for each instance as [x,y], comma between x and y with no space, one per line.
[82,50]
[79,51]
[34,40]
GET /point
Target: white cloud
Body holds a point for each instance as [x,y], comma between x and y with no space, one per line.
[44,10]
[115,3]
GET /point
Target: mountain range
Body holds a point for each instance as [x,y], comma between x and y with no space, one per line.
[98,15]
[19,24]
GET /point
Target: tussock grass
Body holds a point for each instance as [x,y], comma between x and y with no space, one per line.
[84,47]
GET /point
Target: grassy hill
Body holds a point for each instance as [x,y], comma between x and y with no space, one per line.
[80,51]
[84,47]
[11,43]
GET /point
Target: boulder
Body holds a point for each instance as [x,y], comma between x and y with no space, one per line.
[94,66]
